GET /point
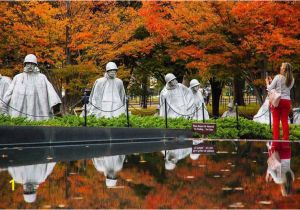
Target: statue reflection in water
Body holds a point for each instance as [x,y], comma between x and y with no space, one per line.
[109,165]
[31,176]
[173,156]
[283,174]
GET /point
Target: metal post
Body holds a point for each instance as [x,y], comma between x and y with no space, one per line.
[127,112]
[237,117]
[203,117]
[85,111]
[166,115]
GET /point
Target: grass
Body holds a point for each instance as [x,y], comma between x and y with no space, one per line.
[137,110]
[247,111]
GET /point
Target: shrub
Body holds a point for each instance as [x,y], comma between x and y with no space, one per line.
[226,127]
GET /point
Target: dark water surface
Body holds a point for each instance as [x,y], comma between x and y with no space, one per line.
[232,178]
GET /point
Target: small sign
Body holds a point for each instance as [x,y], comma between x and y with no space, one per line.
[203,148]
[204,128]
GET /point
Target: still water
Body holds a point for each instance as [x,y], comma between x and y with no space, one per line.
[136,175]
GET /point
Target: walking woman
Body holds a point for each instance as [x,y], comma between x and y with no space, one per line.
[282,83]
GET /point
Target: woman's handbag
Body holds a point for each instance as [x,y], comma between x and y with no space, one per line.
[274,97]
[274,161]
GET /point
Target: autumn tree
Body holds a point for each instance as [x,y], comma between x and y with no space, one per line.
[30,27]
[268,34]
[189,31]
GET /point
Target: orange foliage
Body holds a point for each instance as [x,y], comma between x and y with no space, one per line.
[232,36]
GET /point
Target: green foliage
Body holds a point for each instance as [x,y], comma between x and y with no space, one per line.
[75,78]
[226,127]
[295,132]
[141,33]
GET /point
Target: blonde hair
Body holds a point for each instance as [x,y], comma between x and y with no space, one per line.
[288,74]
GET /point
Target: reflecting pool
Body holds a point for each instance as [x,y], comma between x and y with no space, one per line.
[158,174]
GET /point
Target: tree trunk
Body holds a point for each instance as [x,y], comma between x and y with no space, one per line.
[295,92]
[238,87]
[216,90]
[144,92]
[258,94]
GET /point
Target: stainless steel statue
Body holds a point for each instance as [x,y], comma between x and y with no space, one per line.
[198,101]
[108,98]
[30,94]
[178,98]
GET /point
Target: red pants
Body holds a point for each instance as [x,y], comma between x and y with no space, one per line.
[281,113]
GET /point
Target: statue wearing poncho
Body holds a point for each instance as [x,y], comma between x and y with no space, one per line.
[180,101]
[108,98]
[263,114]
[4,84]
[30,94]
[109,165]
[296,115]
[198,101]
[31,176]
[230,112]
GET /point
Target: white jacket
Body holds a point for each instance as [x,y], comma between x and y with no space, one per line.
[278,175]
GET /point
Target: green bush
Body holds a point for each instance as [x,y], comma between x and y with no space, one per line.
[226,127]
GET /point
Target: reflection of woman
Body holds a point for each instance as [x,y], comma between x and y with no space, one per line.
[282,83]
[283,176]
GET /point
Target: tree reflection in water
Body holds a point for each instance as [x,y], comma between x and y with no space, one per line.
[224,180]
